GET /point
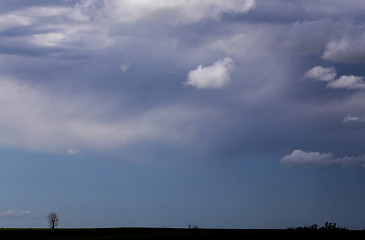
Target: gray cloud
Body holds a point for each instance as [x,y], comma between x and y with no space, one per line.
[335,39]
[301,158]
[308,37]
[350,48]
[345,43]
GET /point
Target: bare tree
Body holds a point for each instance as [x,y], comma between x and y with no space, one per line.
[52,220]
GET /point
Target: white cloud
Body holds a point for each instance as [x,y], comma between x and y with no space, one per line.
[350,118]
[329,75]
[72,151]
[15,214]
[124,66]
[348,82]
[176,11]
[321,73]
[213,77]
[317,159]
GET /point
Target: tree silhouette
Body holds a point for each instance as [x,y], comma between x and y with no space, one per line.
[52,220]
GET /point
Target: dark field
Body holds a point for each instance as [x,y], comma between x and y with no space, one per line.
[168,233]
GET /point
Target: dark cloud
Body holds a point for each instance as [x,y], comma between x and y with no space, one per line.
[136,66]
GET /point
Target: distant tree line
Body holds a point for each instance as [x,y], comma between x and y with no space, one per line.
[193,226]
[328,226]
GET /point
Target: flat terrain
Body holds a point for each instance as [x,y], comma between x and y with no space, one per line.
[168,233]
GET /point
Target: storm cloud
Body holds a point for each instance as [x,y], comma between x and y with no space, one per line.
[231,77]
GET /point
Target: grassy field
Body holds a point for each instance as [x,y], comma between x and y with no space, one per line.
[167,233]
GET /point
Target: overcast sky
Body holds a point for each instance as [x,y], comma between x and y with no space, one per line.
[228,114]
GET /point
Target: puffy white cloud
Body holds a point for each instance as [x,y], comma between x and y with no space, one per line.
[329,75]
[212,77]
[348,82]
[317,159]
[321,73]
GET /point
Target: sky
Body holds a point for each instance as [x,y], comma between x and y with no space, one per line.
[165,113]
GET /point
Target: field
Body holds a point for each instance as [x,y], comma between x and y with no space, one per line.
[166,233]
